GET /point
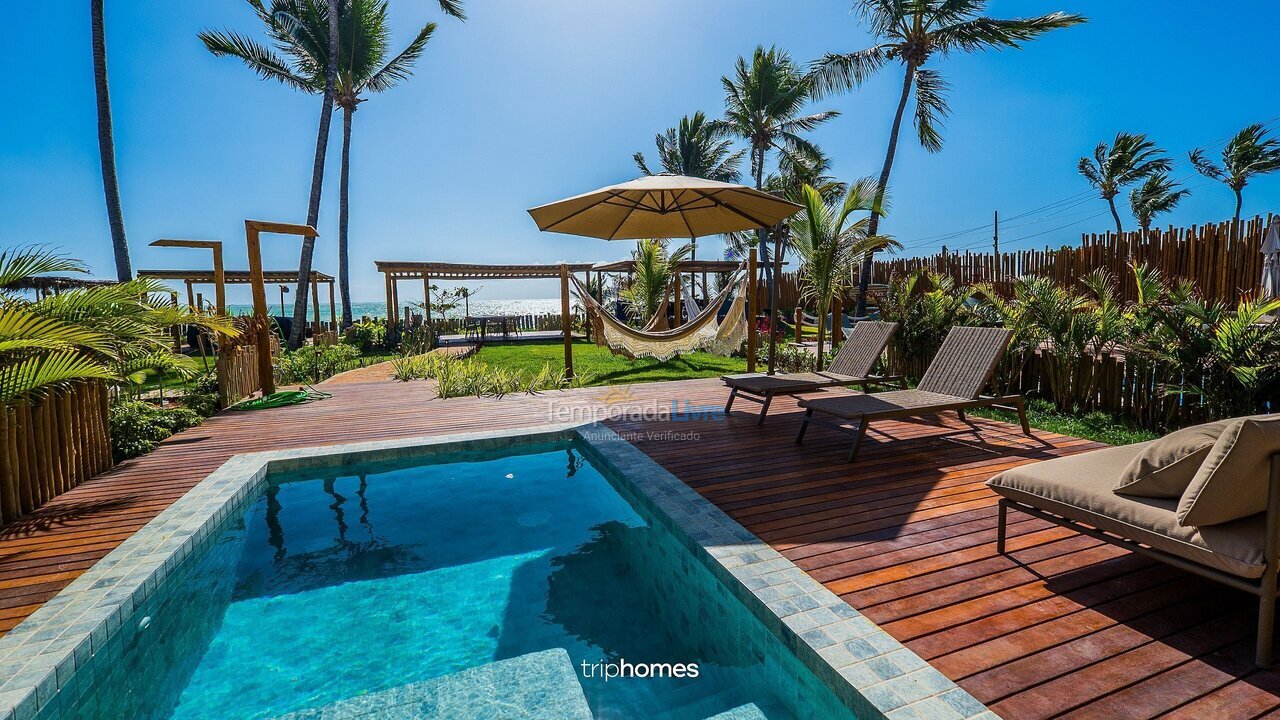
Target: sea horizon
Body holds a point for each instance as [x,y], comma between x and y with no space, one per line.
[519,306]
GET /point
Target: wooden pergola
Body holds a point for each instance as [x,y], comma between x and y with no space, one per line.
[191,278]
[395,271]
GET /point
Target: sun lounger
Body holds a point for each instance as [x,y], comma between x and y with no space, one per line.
[851,366]
[954,381]
[1215,512]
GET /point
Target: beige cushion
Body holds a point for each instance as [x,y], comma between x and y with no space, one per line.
[1079,488]
[1232,481]
[1165,467]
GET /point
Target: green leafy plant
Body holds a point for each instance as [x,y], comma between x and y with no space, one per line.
[312,364]
[654,270]
[137,426]
[472,377]
[367,335]
[925,305]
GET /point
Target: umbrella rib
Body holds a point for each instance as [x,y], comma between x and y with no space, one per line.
[613,235]
[685,219]
[733,210]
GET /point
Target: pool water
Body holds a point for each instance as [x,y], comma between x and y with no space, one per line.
[349,582]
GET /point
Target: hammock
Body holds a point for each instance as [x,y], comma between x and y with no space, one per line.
[702,332]
[690,301]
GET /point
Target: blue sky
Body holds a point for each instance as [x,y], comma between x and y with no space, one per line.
[527,102]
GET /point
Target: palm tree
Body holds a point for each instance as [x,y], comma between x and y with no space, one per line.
[654,268]
[1249,153]
[697,147]
[364,68]
[1158,195]
[110,332]
[912,32]
[827,243]
[107,144]
[1130,157]
[305,34]
[764,102]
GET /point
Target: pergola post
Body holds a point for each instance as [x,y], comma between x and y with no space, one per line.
[679,306]
[751,310]
[191,296]
[219,280]
[315,309]
[333,309]
[426,307]
[566,324]
[254,246]
[391,301]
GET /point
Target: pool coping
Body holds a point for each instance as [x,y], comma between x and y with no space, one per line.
[868,669]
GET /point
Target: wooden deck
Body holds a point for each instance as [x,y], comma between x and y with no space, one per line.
[1069,627]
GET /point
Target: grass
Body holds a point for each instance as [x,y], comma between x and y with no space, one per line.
[1098,426]
[601,367]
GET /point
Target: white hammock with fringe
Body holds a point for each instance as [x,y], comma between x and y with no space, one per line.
[702,332]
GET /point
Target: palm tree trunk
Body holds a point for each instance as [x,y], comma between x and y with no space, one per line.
[762,239]
[873,225]
[107,145]
[822,331]
[317,181]
[1116,216]
[1235,226]
[344,276]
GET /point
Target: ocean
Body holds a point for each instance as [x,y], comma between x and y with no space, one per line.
[538,306]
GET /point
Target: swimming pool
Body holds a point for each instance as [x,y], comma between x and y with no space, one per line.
[492,578]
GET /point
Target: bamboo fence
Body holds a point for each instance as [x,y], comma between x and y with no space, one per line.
[237,374]
[51,444]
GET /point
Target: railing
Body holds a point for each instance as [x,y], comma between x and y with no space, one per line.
[51,444]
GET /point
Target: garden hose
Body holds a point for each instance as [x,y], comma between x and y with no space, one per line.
[284,398]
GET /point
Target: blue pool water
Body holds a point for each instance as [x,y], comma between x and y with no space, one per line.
[365,579]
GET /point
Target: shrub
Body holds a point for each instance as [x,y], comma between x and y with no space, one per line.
[458,378]
[306,365]
[367,336]
[202,394]
[137,426]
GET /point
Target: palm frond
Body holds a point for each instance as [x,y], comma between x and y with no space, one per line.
[257,57]
[931,108]
[401,66]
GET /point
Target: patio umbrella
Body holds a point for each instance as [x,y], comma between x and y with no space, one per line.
[1271,261]
[663,206]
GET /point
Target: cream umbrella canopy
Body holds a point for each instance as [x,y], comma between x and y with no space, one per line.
[663,206]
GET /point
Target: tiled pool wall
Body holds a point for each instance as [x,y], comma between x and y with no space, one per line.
[51,664]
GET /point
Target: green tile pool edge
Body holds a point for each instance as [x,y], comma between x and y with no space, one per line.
[868,669]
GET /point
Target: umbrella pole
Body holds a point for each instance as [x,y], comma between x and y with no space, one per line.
[773,303]
[751,310]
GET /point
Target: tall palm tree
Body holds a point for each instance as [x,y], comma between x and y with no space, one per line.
[107,144]
[1158,195]
[697,147]
[911,32]
[764,105]
[305,35]
[827,243]
[1248,154]
[1129,158]
[364,68]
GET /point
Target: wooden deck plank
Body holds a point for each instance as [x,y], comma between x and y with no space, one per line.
[1065,625]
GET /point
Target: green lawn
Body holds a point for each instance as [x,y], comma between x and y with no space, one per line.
[598,366]
[1097,426]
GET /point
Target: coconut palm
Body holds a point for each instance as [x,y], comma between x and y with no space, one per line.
[363,69]
[764,105]
[107,143]
[1131,157]
[1250,153]
[1159,194]
[654,269]
[912,32]
[110,332]
[697,147]
[305,35]
[826,242]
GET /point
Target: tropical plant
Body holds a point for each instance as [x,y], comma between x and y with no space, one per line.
[1157,195]
[136,426]
[366,336]
[764,105]
[826,242]
[697,147]
[115,332]
[925,305]
[107,143]
[911,32]
[654,268]
[313,364]
[1128,159]
[1249,154]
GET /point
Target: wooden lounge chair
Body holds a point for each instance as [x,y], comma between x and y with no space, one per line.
[851,366]
[954,381]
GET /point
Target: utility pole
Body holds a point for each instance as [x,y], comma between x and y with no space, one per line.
[995,242]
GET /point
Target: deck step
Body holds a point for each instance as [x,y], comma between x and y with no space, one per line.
[537,686]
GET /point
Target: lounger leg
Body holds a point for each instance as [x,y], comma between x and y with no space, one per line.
[764,407]
[729,405]
[961,414]
[1266,621]
[1002,518]
[1022,417]
[804,425]
[857,441]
